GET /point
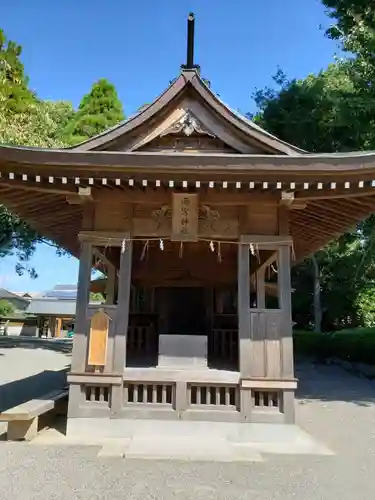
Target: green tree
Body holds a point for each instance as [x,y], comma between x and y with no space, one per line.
[99,110]
[322,113]
[96,297]
[29,121]
[354,28]
[6,308]
[327,112]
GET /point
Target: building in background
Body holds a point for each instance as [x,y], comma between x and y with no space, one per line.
[49,314]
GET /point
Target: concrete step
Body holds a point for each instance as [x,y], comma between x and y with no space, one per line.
[188,449]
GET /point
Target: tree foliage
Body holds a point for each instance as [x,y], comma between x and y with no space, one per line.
[96,297]
[99,110]
[27,120]
[322,113]
[24,118]
[354,28]
[6,308]
[333,111]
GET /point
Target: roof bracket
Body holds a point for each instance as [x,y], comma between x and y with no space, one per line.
[83,195]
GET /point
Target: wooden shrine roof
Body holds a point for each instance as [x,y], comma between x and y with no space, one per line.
[189,139]
[188,84]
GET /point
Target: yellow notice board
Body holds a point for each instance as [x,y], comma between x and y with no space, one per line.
[98,339]
[184,217]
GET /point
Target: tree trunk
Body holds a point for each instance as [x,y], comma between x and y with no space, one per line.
[317,301]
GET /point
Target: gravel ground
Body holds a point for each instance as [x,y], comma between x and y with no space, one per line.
[27,373]
[335,407]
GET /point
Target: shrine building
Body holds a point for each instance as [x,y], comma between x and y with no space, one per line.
[195,215]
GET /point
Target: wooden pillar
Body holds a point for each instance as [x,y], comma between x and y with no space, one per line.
[122,310]
[208,291]
[52,327]
[81,321]
[121,323]
[244,333]
[58,327]
[261,290]
[81,325]
[244,309]
[110,285]
[163,310]
[285,304]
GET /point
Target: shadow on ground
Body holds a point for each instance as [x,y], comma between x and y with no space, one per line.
[332,383]
[33,387]
[57,345]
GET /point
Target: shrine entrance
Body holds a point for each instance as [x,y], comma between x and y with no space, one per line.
[187,311]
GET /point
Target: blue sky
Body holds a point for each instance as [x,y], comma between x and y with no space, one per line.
[139,46]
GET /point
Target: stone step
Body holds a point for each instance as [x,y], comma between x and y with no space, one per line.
[188,449]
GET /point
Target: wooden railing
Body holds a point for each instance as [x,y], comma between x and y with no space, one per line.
[148,393]
[263,399]
[97,393]
[153,390]
[216,396]
[223,347]
[142,343]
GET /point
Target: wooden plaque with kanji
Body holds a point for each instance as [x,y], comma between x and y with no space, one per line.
[184,217]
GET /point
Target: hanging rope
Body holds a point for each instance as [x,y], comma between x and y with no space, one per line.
[144,250]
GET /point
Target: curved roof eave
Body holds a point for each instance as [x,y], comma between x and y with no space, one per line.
[189,77]
[354,163]
[245,122]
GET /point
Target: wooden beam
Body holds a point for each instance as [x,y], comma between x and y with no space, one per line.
[287,198]
[82,196]
[332,208]
[298,205]
[38,188]
[101,238]
[103,257]
[265,241]
[159,196]
[331,224]
[313,194]
[320,212]
[269,260]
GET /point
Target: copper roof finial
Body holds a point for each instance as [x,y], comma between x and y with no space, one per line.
[190,44]
[190,41]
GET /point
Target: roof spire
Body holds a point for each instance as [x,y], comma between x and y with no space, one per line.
[190,41]
[190,44]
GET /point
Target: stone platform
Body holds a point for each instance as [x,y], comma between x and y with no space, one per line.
[201,441]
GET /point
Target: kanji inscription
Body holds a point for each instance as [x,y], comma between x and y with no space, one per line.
[184,217]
